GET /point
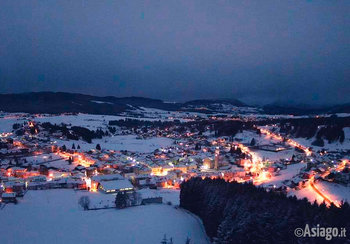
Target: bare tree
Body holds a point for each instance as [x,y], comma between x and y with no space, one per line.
[84,202]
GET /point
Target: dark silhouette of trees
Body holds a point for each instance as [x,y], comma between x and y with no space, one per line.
[98,147]
[70,160]
[252,142]
[243,213]
[84,202]
[318,142]
[64,148]
[120,200]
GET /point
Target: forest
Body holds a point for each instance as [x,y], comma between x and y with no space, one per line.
[244,213]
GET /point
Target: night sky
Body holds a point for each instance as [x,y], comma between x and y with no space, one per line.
[256,51]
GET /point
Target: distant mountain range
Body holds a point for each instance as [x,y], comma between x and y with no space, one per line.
[60,102]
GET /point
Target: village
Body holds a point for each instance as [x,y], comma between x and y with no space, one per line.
[37,155]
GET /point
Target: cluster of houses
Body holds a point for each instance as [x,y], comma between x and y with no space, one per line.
[109,171]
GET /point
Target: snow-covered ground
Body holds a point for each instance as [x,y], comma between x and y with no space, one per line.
[126,142]
[262,140]
[335,192]
[328,146]
[308,193]
[6,122]
[168,195]
[285,174]
[53,216]
[338,192]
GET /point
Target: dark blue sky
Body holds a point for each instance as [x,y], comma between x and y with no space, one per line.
[257,51]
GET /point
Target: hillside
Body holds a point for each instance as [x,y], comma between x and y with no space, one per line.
[60,102]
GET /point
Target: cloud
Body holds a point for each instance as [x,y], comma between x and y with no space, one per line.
[178,50]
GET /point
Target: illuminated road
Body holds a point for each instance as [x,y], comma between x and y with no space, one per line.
[326,198]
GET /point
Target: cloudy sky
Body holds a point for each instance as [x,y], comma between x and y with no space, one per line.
[256,51]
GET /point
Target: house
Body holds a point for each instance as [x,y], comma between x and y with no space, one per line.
[19,188]
[111,183]
[143,181]
[151,200]
[8,197]
[113,186]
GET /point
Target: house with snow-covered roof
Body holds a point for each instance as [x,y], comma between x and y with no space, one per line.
[114,186]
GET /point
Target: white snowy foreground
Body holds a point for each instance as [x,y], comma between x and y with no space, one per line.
[53,216]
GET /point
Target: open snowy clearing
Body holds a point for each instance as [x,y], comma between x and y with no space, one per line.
[338,192]
[127,142]
[53,216]
[285,174]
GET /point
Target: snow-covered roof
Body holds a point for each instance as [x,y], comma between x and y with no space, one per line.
[107,177]
[9,194]
[114,185]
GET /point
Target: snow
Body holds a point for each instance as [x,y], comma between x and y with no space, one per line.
[306,192]
[334,191]
[262,140]
[90,121]
[168,195]
[116,184]
[125,142]
[338,192]
[7,122]
[285,174]
[53,216]
[335,146]
[100,102]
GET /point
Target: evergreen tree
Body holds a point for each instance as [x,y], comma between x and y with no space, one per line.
[64,148]
[252,142]
[120,200]
[98,147]
[73,146]
[318,142]
[165,240]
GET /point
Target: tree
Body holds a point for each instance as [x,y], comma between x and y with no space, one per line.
[84,202]
[70,160]
[98,147]
[252,142]
[318,142]
[78,147]
[165,240]
[73,146]
[64,148]
[120,200]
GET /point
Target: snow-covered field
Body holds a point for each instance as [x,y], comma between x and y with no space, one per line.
[328,146]
[53,216]
[285,174]
[127,142]
[308,193]
[338,192]
[7,122]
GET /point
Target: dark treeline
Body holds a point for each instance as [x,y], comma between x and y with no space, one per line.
[74,132]
[135,123]
[330,128]
[243,213]
[221,128]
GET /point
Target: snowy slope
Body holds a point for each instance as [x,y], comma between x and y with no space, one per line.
[53,216]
